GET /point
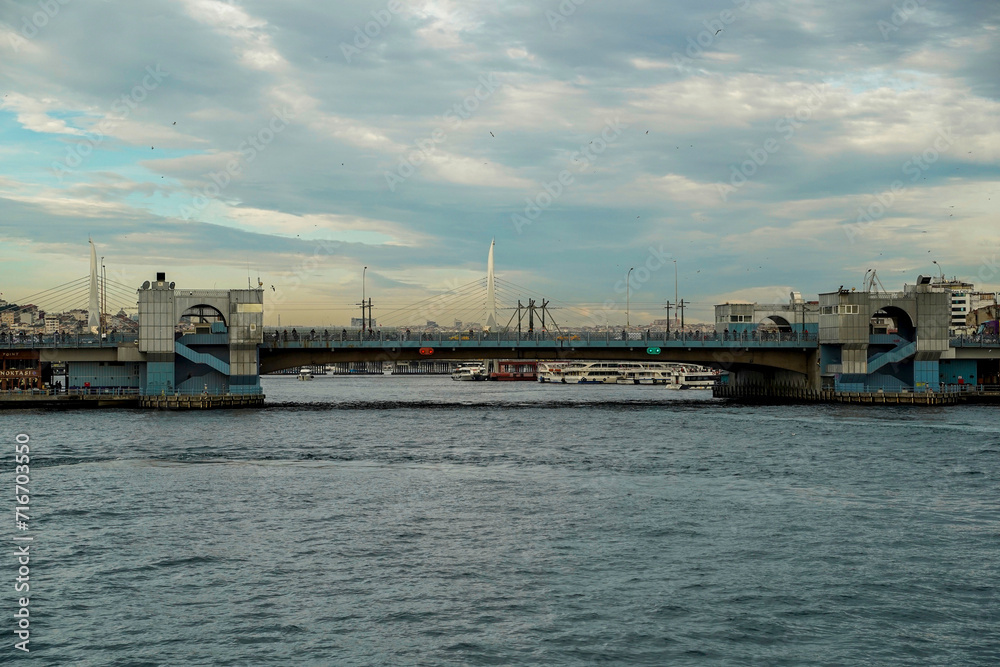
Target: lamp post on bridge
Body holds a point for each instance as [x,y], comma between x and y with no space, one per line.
[628,285]
[675,288]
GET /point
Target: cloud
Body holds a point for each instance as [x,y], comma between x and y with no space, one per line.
[33,114]
[843,107]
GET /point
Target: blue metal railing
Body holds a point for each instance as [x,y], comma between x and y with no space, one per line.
[248,390]
[892,356]
[11,341]
[537,339]
[201,358]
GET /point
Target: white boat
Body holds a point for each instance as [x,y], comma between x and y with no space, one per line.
[651,373]
[305,373]
[600,372]
[551,371]
[469,371]
[696,377]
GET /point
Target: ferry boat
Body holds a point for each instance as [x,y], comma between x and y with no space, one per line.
[551,371]
[305,373]
[654,373]
[515,370]
[605,372]
[469,371]
[696,377]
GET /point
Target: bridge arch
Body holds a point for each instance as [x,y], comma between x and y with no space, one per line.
[202,313]
[892,320]
[775,322]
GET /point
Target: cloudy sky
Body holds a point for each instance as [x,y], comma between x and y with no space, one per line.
[765,145]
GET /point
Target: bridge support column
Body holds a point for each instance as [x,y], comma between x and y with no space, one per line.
[814,381]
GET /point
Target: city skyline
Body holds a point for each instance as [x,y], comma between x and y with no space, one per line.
[764,148]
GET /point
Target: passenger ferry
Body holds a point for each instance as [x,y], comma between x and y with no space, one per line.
[469,371]
[696,377]
[654,373]
[612,372]
[551,371]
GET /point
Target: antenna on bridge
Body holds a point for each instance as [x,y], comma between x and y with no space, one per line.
[531,311]
[871,279]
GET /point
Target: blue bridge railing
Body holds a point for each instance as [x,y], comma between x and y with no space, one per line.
[381,339]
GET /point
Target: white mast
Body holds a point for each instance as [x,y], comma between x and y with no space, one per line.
[491,297]
[94,308]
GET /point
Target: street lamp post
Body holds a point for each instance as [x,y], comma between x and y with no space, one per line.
[628,285]
[675,287]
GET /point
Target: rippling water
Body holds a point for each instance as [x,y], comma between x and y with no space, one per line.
[416,520]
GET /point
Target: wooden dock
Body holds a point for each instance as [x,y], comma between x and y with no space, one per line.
[41,400]
[789,394]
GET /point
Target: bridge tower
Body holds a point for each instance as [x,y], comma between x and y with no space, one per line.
[219,357]
[890,341]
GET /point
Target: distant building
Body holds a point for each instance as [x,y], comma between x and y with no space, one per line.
[28,315]
[961,299]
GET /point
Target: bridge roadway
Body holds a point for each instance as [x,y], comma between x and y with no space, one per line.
[790,353]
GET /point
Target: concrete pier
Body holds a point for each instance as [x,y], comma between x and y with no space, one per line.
[781,394]
[195,402]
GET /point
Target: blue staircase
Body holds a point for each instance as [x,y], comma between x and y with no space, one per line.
[893,356]
[201,358]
